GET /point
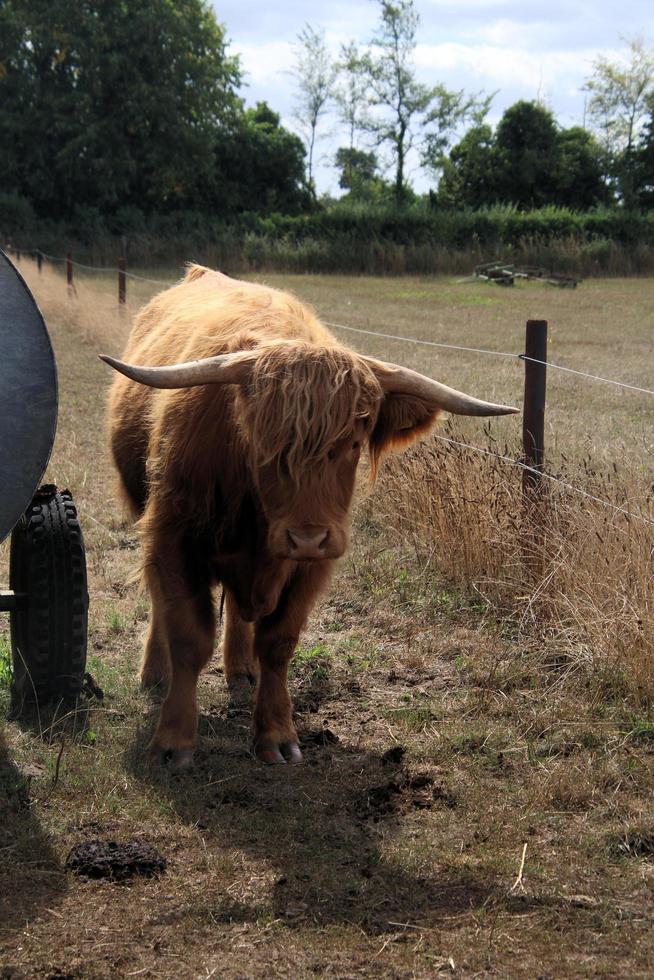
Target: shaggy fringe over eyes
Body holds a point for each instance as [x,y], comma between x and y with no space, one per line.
[303,399]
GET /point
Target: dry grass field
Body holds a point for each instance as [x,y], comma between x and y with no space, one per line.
[469,699]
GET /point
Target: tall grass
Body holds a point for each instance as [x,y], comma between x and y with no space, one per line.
[567,572]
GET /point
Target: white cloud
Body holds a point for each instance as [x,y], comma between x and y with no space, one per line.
[265,62]
[513,33]
[504,66]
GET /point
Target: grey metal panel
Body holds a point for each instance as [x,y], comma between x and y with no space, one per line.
[28,396]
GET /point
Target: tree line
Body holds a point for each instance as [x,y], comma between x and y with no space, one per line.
[116,111]
[529,160]
[132,107]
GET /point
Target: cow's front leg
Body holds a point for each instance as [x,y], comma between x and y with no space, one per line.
[276,637]
[183,614]
[275,737]
[241,666]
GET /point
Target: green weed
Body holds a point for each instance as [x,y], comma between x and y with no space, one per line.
[5,663]
[116,621]
[314,662]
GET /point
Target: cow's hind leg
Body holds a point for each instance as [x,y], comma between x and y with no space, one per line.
[156,670]
[241,666]
[184,615]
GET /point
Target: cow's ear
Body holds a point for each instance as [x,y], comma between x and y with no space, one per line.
[401,420]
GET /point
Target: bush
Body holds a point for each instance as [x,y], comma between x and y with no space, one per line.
[17,218]
[352,238]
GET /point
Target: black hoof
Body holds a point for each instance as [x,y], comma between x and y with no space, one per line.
[278,753]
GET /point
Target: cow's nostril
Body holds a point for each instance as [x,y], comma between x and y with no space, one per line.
[293,540]
[307,541]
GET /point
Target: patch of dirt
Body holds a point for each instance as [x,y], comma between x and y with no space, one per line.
[114,860]
[318,738]
[405,792]
[393,756]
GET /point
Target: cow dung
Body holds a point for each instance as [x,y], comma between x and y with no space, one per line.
[115,860]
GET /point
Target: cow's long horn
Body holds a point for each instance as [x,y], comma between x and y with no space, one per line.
[232,368]
[404,381]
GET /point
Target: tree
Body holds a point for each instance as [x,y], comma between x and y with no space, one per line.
[350,92]
[618,106]
[405,114]
[580,183]
[470,172]
[358,169]
[260,166]
[314,74]
[395,92]
[112,104]
[446,114]
[644,162]
[528,162]
[526,155]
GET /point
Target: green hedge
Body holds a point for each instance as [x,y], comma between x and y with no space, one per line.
[350,239]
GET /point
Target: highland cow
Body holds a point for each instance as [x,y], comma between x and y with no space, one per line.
[237,426]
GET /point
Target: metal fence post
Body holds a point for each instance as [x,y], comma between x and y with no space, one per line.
[39,259]
[533,419]
[122,284]
[69,271]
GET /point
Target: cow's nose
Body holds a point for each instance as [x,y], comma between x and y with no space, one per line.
[307,542]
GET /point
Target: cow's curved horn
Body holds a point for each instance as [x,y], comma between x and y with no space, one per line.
[227,369]
[404,381]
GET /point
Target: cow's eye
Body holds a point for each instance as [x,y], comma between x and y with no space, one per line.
[356,445]
[331,454]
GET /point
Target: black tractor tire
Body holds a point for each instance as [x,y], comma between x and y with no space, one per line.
[49,625]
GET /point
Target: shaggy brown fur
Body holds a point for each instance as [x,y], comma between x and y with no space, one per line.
[243,485]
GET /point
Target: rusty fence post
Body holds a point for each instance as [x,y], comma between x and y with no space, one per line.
[533,418]
[122,284]
[69,271]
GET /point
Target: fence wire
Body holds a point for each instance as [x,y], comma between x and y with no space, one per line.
[376,333]
[546,476]
[495,353]
[431,343]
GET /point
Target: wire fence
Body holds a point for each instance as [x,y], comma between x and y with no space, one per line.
[494,353]
[66,259]
[426,343]
[360,330]
[547,476]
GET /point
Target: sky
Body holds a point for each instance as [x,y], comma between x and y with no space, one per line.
[520,50]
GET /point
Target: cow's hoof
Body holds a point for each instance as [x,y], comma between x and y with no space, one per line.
[171,758]
[278,753]
[241,689]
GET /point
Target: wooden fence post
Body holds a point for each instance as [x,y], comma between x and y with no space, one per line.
[533,441]
[122,285]
[533,418]
[69,271]
[39,259]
